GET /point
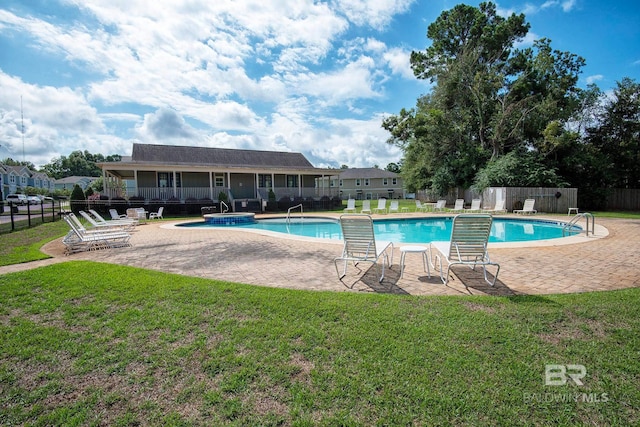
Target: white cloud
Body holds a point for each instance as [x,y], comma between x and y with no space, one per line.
[374,13]
[594,78]
[247,74]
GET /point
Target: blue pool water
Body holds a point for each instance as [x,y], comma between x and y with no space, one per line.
[412,230]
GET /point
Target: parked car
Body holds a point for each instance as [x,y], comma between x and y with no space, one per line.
[33,200]
[17,199]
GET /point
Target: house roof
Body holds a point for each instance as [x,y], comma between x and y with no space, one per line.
[75,179]
[173,154]
[354,173]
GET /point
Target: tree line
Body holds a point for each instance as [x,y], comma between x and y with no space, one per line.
[503,116]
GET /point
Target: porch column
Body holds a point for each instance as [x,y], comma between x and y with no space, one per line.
[257,186]
[211,185]
[175,192]
[299,185]
[135,177]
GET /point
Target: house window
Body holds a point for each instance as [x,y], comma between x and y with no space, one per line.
[12,179]
[219,180]
[366,182]
[165,179]
[292,181]
[264,181]
[358,182]
[385,182]
[340,183]
[23,180]
[394,181]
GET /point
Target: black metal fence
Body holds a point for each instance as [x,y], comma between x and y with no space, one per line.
[14,217]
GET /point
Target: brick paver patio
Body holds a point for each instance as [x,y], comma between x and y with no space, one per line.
[604,262]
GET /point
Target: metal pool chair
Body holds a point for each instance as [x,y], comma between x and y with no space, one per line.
[382,206]
[123,223]
[499,208]
[440,205]
[527,208]
[96,223]
[366,206]
[360,244]
[475,206]
[157,215]
[459,206]
[79,239]
[468,245]
[351,206]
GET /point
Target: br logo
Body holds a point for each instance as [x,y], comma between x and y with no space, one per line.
[561,374]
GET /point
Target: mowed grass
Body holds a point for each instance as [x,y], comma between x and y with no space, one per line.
[24,245]
[85,343]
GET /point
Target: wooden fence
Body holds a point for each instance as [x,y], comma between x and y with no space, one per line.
[548,199]
[622,199]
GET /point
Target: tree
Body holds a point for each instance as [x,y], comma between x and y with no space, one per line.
[78,199]
[489,98]
[393,167]
[617,135]
[78,164]
[10,162]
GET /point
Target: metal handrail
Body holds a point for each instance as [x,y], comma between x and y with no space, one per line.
[226,207]
[294,207]
[575,219]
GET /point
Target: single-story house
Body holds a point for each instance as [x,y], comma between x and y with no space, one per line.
[71,181]
[367,184]
[164,172]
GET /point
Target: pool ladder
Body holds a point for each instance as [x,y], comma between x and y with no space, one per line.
[226,207]
[587,216]
[294,207]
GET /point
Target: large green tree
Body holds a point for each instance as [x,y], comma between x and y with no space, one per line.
[78,163]
[489,98]
[616,136]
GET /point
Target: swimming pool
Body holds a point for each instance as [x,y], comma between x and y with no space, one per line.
[411,230]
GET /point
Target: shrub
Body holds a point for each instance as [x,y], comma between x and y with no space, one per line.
[78,201]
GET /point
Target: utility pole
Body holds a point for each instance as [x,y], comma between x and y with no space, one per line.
[22,124]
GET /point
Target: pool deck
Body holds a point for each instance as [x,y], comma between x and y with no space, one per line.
[606,261]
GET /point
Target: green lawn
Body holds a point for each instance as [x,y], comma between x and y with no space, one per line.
[86,343]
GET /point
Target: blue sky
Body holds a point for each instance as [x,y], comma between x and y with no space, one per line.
[315,77]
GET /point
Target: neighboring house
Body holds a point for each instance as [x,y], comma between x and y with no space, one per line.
[69,182]
[367,184]
[18,178]
[162,172]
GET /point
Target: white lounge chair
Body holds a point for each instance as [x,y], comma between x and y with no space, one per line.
[468,245]
[394,206]
[440,205]
[420,207]
[475,206]
[499,208]
[126,223]
[360,244]
[382,206]
[104,224]
[527,208]
[366,206]
[459,206]
[115,215]
[157,215]
[79,239]
[351,206]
